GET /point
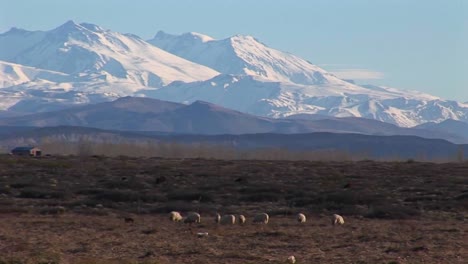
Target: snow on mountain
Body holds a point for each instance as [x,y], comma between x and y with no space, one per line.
[84,63]
[146,114]
[282,84]
[242,55]
[14,74]
[86,48]
[27,89]
[258,96]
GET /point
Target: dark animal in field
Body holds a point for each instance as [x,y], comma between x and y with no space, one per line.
[241,180]
[129,220]
[160,180]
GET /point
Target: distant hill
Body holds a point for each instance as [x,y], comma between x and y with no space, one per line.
[202,118]
[454,127]
[356,145]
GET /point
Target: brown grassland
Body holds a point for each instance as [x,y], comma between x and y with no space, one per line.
[71,209]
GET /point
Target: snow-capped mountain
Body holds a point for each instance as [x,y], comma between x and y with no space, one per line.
[14,74]
[276,99]
[84,63]
[280,84]
[242,55]
[86,48]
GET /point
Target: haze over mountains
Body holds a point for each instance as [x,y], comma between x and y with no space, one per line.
[202,118]
[83,63]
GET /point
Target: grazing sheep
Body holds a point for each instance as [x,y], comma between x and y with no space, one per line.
[175,216]
[202,234]
[261,218]
[301,218]
[228,220]
[192,217]
[241,219]
[217,218]
[337,220]
[291,259]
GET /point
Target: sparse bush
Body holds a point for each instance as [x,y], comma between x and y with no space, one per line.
[463,196]
[36,193]
[20,185]
[117,196]
[392,212]
[11,262]
[127,183]
[181,206]
[261,197]
[52,210]
[189,196]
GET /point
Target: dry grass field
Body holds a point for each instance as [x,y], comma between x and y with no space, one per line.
[72,210]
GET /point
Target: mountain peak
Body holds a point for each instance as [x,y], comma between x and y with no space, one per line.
[200,104]
[189,36]
[15,30]
[163,35]
[244,55]
[198,36]
[92,27]
[244,37]
[70,24]
[67,27]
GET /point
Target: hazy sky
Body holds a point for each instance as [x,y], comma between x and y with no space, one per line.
[417,45]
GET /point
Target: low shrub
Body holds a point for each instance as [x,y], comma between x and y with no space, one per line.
[261,197]
[189,196]
[117,196]
[392,212]
[36,193]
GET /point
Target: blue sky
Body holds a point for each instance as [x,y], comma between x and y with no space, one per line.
[417,45]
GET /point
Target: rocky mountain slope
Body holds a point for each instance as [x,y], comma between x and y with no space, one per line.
[83,63]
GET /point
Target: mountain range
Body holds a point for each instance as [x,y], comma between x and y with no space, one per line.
[79,64]
[202,118]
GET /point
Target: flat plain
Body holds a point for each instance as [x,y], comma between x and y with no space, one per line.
[69,209]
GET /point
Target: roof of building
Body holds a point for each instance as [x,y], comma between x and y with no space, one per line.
[23,148]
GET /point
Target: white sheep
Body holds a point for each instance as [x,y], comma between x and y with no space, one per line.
[217,218]
[291,259]
[261,218]
[241,219]
[228,220]
[301,218]
[192,217]
[175,216]
[337,220]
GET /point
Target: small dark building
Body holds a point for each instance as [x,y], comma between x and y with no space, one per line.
[26,151]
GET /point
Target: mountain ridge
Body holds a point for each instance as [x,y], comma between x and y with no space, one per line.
[85,63]
[199,117]
[357,146]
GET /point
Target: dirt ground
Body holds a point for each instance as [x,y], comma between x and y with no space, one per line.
[70,210]
[73,238]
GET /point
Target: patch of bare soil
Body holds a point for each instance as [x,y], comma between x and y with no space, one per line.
[73,210]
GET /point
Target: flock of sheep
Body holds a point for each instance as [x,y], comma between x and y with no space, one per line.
[230,219]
